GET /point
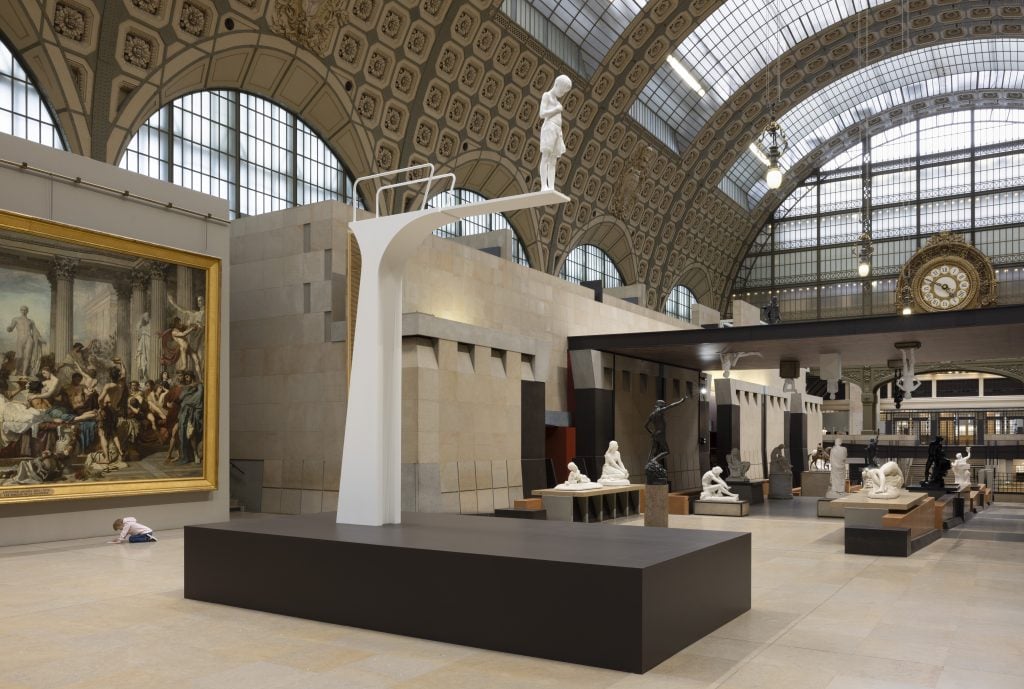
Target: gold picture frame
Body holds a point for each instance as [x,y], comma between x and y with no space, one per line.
[116,391]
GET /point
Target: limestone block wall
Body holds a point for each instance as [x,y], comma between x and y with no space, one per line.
[637,387]
[460,426]
[288,378]
[475,326]
[812,408]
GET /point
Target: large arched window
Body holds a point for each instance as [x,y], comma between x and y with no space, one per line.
[586,263]
[23,113]
[240,147]
[478,224]
[680,303]
[960,171]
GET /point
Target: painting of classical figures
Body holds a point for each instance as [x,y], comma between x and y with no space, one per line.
[108,364]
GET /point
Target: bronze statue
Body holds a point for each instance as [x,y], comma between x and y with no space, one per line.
[656,427]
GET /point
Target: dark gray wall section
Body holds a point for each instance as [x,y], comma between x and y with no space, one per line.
[796,444]
[532,420]
[595,421]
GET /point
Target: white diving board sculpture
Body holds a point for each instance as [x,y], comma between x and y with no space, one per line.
[370,492]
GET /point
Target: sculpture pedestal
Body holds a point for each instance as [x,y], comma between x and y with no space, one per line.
[751,490]
[497,570]
[722,509]
[656,505]
[814,484]
[780,486]
[594,505]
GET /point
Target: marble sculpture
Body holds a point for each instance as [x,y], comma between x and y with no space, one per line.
[908,382]
[779,464]
[577,480]
[614,472]
[730,359]
[882,483]
[714,489]
[552,144]
[837,458]
[962,470]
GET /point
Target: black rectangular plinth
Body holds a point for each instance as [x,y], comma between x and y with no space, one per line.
[618,597]
[878,540]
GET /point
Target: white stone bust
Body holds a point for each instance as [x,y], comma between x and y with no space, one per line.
[614,472]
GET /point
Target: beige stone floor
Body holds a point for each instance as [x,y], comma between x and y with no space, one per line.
[84,614]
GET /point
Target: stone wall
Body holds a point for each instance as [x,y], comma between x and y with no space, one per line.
[475,327]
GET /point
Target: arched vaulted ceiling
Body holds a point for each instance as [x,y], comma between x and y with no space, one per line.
[389,82]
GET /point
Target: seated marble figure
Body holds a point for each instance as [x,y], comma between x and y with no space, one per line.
[577,480]
[737,467]
[614,472]
[882,483]
[714,489]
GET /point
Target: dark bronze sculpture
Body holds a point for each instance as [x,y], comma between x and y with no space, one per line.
[655,470]
[770,312]
[870,451]
[656,427]
[937,466]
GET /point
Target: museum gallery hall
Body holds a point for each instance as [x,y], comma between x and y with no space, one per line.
[426,344]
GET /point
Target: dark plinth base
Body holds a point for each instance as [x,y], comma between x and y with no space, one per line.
[496,573]
[521,513]
[780,486]
[934,491]
[751,490]
[886,541]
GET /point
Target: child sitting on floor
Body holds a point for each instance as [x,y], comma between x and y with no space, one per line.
[133,532]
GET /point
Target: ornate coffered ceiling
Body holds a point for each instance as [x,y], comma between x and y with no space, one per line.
[388,83]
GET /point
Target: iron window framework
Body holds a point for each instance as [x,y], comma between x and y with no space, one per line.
[587,263]
[680,303]
[245,149]
[478,224]
[961,171]
[24,112]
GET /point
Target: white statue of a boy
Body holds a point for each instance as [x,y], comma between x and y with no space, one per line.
[552,145]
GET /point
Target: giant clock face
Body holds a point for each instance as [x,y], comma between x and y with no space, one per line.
[946,274]
[945,283]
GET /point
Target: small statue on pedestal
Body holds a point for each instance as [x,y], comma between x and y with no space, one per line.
[655,425]
[870,451]
[908,381]
[936,467]
[770,313]
[962,470]
[837,460]
[818,459]
[882,483]
[737,467]
[577,480]
[614,472]
[779,464]
[714,489]
[655,470]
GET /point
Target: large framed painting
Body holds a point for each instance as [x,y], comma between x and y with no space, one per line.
[109,373]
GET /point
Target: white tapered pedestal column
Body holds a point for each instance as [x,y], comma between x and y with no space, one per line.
[371,462]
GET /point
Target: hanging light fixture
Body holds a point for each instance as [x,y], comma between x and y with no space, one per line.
[863,251]
[773,139]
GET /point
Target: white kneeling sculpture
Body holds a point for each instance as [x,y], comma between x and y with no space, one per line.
[882,483]
[577,480]
[614,472]
[837,458]
[714,489]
